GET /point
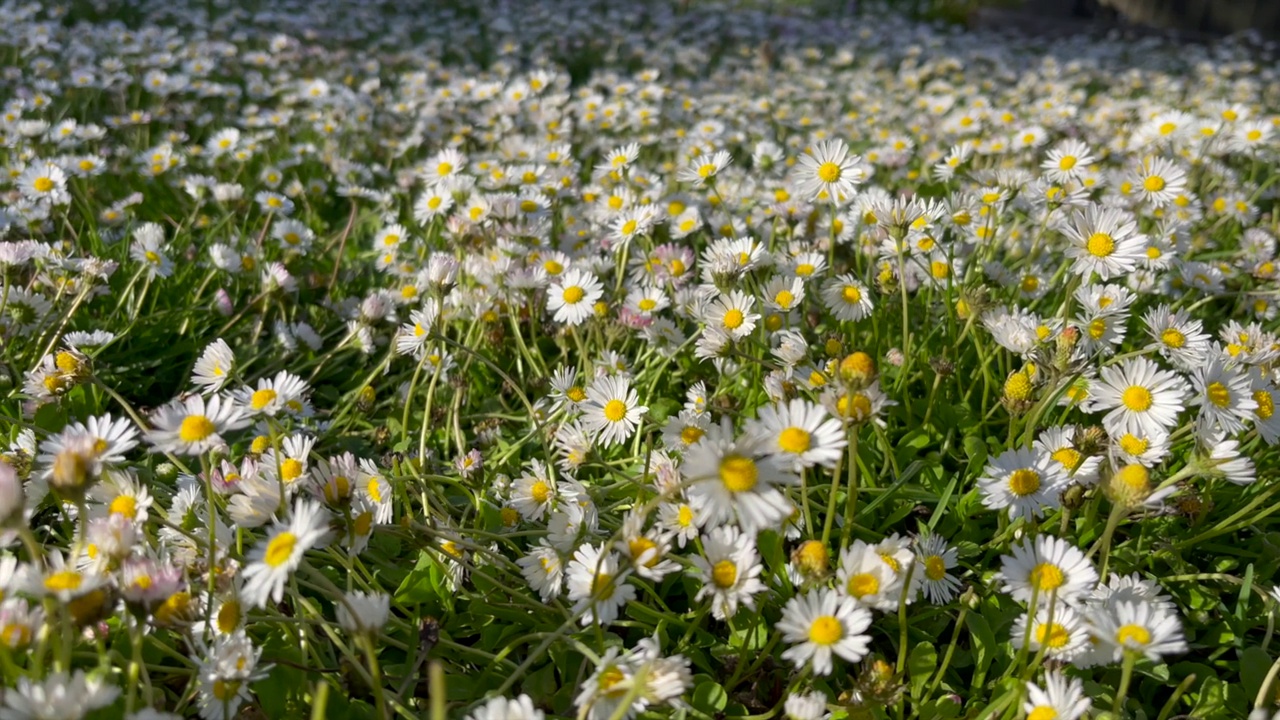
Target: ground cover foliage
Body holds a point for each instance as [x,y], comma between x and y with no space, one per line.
[555,359]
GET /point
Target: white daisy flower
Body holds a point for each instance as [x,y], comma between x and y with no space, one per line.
[821,624]
[1027,481]
[213,369]
[597,585]
[1048,568]
[801,432]
[573,296]
[194,426]
[734,479]
[612,409]
[1061,698]
[274,558]
[730,572]
[1144,400]
[1143,628]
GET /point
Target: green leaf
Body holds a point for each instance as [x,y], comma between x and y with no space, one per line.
[1212,701]
[921,663]
[1254,665]
[709,697]
[984,641]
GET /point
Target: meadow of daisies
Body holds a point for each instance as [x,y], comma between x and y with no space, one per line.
[527,360]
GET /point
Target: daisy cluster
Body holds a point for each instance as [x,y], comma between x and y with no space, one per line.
[601,360]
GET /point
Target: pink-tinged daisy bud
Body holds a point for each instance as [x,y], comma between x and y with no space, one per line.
[222,303]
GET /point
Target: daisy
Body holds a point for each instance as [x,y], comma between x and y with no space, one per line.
[1024,480]
[802,432]
[58,696]
[1048,569]
[283,393]
[729,570]
[1061,698]
[534,493]
[702,170]
[735,478]
[847,298]
[1160,181]
[1144,400]
[935,558]
[573,296]
[685,429]
[612,409]
[194,425]
[360,612]
[1059,444]
[1138,627]
[1104,241]
[213,369]
[1066,161]
[44,182]
[828,172]
[274,558]
[597,586]
[1178,338]
[821,624]
[543,570]
[865,578]
[1062,635]
[499,708]
[732,314]
[1224,395]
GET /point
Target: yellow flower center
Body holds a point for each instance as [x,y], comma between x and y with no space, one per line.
[1100,245]
[43,184]
[1266,405]
[784,299]
[229,617]
[825,630]
[1067,162]
[1052,635]
[540,492]
[124,505]
[935,568]
[724,574]
[862,585]
[615,410]
[794,440]
[1024,481]
[1133,445]
[828,172]
[280,549]
[1043,712]
[691,434]
[574,294]
[291,469]
[1173,338]
[1069,458]
[738,473]
[629,227]
[1218,394]
[1137,398]
[63,581]
[195,428]
[733,319]
[576,394]
[685,516]
[1047,577]
[1128,635]
[1155,183]
[262,398]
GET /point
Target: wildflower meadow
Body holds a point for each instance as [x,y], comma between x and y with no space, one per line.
[501,360]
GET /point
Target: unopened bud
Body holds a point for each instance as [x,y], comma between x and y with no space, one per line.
[1130,485]
[222,303]
[858,368]
[811,558]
